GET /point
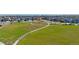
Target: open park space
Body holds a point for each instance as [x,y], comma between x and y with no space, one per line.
[11,32]
[39,30]
[54,34]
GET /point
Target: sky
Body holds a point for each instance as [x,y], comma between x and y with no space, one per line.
[39,7]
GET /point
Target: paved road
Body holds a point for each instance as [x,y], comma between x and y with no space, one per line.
[21,37]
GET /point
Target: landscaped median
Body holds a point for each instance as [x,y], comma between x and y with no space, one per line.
[10,33]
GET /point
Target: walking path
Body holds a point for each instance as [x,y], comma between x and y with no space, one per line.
[21,37]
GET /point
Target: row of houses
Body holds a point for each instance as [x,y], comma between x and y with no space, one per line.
[66,19]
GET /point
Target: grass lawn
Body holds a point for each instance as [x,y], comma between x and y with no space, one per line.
[54,34]
[10,33]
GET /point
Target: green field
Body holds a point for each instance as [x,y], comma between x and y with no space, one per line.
[54,34]
[10,33]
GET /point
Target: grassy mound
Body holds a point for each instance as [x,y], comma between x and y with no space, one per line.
[10,33]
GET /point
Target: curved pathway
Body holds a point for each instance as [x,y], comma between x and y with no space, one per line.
[21,37]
